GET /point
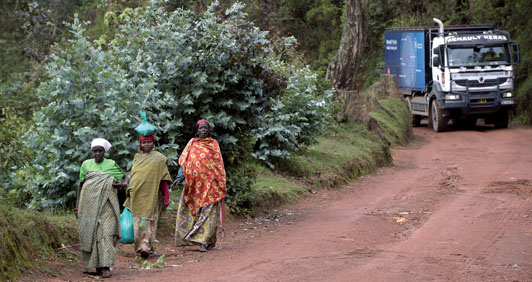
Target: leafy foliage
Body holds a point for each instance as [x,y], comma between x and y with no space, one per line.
[317,25]
[301,114]
[240,180]
[146,264]
[13,155]
[179,67]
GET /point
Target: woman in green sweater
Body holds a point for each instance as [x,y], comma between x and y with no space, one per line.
[98,210]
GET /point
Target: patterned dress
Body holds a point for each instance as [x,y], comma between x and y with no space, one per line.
[198,215]
[98,220]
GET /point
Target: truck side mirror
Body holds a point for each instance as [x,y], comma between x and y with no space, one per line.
[515,53]
[436,61]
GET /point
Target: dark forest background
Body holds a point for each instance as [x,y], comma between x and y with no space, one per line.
[29,30]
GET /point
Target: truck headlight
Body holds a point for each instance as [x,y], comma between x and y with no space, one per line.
[507,95]
[452,97]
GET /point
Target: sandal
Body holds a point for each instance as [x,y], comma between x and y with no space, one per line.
[203,248]
[211,246]
[153,253]
[106,272]
[143,253]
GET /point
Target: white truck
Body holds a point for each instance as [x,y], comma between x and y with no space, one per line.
[461,73]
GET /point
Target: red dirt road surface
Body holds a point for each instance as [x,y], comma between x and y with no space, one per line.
[457,206]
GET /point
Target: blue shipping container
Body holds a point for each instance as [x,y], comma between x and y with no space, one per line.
[404,57]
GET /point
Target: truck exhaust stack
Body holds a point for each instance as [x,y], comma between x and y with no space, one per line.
[440,24]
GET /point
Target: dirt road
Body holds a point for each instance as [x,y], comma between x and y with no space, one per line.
[457,206]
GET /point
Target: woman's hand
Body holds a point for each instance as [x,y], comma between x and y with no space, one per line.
[177,181]
[180,177]
[120,185]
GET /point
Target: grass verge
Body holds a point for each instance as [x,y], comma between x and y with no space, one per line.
[349,150]
[28,237]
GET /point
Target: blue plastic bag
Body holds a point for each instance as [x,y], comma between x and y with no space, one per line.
[145,128]
[126,225]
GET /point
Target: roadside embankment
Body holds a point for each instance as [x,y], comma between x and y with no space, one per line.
[27,238]
[378,120]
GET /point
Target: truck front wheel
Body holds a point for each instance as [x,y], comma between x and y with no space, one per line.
[501,120]
[438,121]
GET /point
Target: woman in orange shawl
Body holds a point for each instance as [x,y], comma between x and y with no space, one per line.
[200,206]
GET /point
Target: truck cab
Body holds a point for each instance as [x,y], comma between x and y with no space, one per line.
[461,73]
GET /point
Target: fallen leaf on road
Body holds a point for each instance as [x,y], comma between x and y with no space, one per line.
[399,219]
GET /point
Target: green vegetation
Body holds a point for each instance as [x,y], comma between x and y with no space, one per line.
[29,236]
[394,120]
[179,67]
[272,189]
[346,152]
[145,264]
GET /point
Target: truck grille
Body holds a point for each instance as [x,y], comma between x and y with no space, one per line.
[486,83]
[483,103]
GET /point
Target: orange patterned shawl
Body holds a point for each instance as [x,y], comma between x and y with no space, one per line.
[204,173]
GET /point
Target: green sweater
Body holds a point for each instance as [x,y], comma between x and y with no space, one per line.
[106,166]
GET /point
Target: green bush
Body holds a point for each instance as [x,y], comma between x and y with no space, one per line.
[14,156]
[179,67]
[295,120]
[240,197]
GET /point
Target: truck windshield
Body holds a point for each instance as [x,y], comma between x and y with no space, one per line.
[478,55]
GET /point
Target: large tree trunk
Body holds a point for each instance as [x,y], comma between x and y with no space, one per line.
[345,66]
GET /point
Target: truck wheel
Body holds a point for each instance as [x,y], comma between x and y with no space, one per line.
[501,120]
[416,120]
[438,121]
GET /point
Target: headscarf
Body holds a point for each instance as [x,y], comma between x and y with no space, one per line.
[142,138]
[203,121]
[102,143]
